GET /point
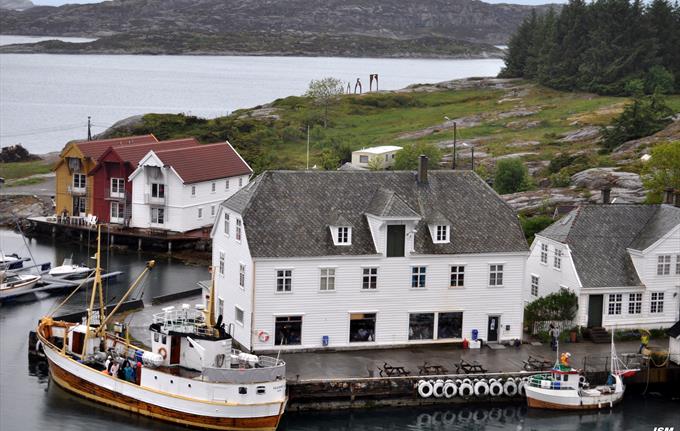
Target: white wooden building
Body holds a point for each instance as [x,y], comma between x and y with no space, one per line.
[310,259]
[622,260]
[181,189]
[674,343]
[384,156]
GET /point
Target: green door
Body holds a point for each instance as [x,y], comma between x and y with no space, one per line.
[595,311]
[396,234]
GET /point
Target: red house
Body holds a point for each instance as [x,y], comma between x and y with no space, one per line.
[111,189]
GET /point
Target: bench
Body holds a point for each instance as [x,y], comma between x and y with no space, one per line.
[473,367]
[431,370]
[389,371]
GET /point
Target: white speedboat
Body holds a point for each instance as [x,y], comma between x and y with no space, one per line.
[70,270]
[566,388]
[10,261]
[191,375]
[11,283]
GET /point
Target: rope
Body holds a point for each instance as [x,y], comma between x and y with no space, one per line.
[51,312]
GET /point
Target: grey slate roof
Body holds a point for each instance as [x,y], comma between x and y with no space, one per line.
[599,236]
[287,213]
[674,331]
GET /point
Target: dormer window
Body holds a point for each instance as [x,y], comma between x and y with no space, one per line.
[342,235]
[441,233]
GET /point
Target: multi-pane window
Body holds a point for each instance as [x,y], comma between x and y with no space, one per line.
[495,275]
[457,276]
[117,186]
[442,233]
[614,304]
[226,185]
[158,190]
[200,213]
[284,280]
[226,224]
[663,266]
[193,190]
[534,285]
[221,263]
[212,211]
[117,212]
[238,315]
[157,215]
[79,181]
[635,303]
[213,187]
[288,330]
[362,327]
[327,281]
[544,253]
[421,326]
[370,279]
[657,302]
[557,263]
[418,275]
[677,264]
[240,182]
[343,235]
[242,275]
[239,223]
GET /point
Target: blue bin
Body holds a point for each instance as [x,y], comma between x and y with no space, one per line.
[475,334]
[138,355]
[325,340]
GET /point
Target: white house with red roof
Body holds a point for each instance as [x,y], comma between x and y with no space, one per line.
[181,189]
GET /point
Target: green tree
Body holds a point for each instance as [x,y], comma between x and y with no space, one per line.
[511,176]
[325,92]
[532,225]
[561,306]
[329,159]
[376,164]
[662,171]
[407,157]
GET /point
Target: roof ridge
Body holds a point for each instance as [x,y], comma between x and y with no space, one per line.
[194,148]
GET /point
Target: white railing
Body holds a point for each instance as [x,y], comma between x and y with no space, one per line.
[148,199]
[77,190]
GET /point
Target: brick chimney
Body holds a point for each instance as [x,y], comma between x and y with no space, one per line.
[422,169]
[606,194]
[668,196]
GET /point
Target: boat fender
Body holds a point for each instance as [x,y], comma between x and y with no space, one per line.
[437,418]
[480,415]
[39,347]
[438,389]
[465,390]
[150,359]
[496,389]
[425,389]
[520,389]
[465,416]
[458,382]
[491,380]
[163,353]
[510,388]
[424,420]
[481,388]
[263,336]
[468,381]
[582,379]
[449,418]
[495,414]
[450,389]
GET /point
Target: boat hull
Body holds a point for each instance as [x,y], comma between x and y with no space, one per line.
[569,400]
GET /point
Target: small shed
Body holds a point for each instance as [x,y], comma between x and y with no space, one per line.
[674,342]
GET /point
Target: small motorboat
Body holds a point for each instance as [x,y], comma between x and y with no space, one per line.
[70,270]
[566,388]
[11,283]
[11,261]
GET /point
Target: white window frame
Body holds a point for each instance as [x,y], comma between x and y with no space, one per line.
[677,264]
[459,276]
[240,182]
[284,278]
[442,234]
[343,235]
[157,218]
[227,223]
[614,304]
[79,181]
[327,279]
[544,253]
[160,190]
[663,264]
[656,300]
[419,276]
[117,187]
[557,260]
[221,263]
[213,187]
[238,309]
[535,284]
[226,184]
[239,224]
[212,210]
[363,158]
[193,191]
[119,215]
[496,270]
[242,276]
[635,303]
[369,278]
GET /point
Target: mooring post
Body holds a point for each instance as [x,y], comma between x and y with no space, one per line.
[139,244]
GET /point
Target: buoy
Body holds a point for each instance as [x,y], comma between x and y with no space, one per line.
[450,389]
[465,390]
[496,388]
[425,389]
[520,389]
[438,389]
[510,388]
[481,388]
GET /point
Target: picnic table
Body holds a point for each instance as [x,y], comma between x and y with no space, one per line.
[388,370]
[431,370]
[533,363]
[473,367]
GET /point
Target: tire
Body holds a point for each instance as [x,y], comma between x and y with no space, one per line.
[481,388]
[496,389]
[450,389]
[520,389]
[438,389]
[466,390]
[510,388]
[425,389]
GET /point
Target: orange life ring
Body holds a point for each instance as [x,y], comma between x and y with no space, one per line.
[163,352]
[263,336]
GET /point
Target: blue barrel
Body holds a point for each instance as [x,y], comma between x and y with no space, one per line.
[325,340]
[475,334]
[138,355]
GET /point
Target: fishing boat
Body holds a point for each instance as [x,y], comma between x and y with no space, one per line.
[11,282]
[191,375]
[566,388]
[69,270]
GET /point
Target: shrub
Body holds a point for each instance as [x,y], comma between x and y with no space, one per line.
[511,176]
[532,225]
[560,179]
[561,305]
[407,157]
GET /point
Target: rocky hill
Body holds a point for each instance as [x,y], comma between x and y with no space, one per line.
[16,4]
[378,22]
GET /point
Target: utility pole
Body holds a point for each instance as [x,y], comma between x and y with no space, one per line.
[454,144]
[473,157]
[307,146]
[89,129]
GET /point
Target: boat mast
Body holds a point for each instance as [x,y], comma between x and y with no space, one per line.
[96,288]
[210,313]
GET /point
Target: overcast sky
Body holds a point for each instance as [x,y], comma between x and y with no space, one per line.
[60,2]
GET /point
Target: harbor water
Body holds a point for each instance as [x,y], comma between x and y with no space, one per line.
[28,401]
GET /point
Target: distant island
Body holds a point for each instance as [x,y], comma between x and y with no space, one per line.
[382,28]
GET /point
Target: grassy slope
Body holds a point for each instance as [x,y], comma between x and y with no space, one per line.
[12,171]
[378,119]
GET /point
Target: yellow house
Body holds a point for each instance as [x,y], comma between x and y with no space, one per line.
[74,194]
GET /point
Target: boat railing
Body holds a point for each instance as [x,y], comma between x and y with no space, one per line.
[268,369]
[184,320]
[545,382]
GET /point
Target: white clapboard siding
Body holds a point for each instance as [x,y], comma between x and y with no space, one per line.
[550,279]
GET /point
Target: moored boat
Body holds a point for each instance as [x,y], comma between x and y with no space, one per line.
[12,283]
[70,270]
[191,375]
